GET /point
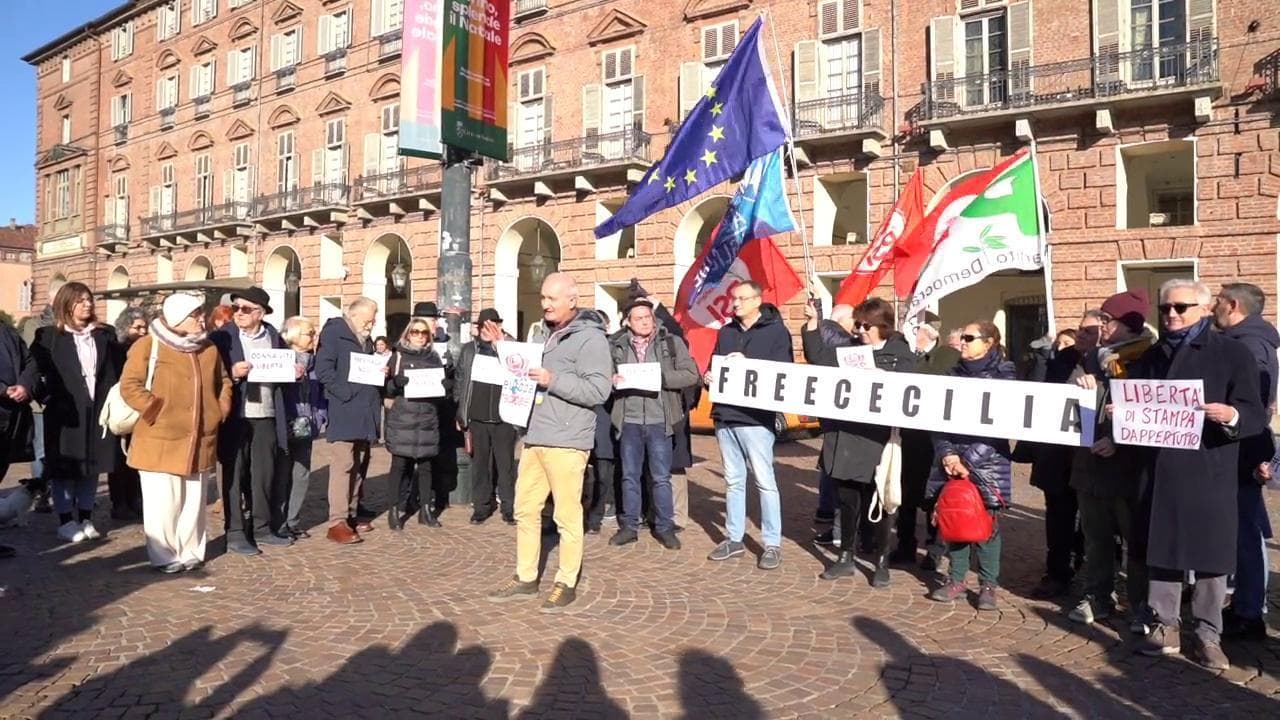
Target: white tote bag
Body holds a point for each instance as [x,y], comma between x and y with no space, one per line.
[119,416]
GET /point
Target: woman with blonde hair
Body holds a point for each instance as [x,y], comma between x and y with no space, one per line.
[175,442]
[304,408]
[79,361]
[413,424]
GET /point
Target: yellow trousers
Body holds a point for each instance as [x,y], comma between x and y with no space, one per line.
[557,472]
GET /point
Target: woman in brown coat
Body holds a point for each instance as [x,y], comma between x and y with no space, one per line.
[175,441]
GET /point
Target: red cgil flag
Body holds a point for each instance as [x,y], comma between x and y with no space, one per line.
[897,226]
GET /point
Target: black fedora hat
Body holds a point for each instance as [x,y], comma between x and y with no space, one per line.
[426,309]
[255,295]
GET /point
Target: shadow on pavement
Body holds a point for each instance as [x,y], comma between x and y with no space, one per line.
[710,687]
[572,687]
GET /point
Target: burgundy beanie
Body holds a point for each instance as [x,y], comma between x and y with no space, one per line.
[1129,307]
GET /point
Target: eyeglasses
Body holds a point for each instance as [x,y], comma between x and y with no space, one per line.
[971,338]
[1180,308]
[417,332]
[744,298]
[245,309]
[1103,319]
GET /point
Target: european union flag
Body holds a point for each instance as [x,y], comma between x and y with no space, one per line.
[738,119]
[758,209]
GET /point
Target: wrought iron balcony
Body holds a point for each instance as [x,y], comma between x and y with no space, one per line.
[286,78]
[529,8]
[839,115]
[122,133]
[335,62]
[112,238]
[389,44]
[1107,77]
[167,116]
[215,222]
[203,105]
[310,206]
[400,191]
[577,156]
[242,93]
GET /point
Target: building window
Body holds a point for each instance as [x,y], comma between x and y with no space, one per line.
[204,181]
[169,21]
[329,165]
[24,297]
[202,80]
[66,68]
[164,196]
[286,163]
[238,182]
[382,150]
[167,92]
[1156,185]
[335,32]
[118,212]
[286,49]
[1159,26]
[122,41]
[242,65]
[121,109]
[531,114]
[62,194]
[203,11]
[985,51]
[388,16]
[842,61]
[840,209]
[66,129]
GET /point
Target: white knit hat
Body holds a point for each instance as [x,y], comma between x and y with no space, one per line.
[178,306]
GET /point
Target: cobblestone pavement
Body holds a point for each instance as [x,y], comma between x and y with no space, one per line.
[398,626]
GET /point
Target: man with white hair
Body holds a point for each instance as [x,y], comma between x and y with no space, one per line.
[576,376]
[1187,504]
[354,414]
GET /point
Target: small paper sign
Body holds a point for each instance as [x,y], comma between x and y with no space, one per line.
[516,359]
[368,369]
[486,369]
[1158,413]
[424,383]
[640,376]
[271,366]
[858,357]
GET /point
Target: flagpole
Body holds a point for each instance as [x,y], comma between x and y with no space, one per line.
[1046,252]
[809,272]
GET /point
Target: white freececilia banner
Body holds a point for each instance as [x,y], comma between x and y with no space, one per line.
[1060,414]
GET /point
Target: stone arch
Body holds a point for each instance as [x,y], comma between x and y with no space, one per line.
[516,285]
[200,268]
[118,279]
[384,253]
[200,140]
[385,87]
[694,231]
[533,46]
[285,303]
[282,116]
[168,59]
[120,163]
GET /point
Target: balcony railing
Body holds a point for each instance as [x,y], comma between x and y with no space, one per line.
[286,78]
[1106,76]
[839,114]
[314,197]
[228,213]
[242,93]
[204,105]
[167,116]
[335,61]
[122,133]
[389,44]
[60,226]
[525,8]
[578,153]
[396,184]
[111,237]
[158,224]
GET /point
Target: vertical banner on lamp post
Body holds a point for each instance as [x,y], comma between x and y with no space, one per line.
[473,103]
[421,57]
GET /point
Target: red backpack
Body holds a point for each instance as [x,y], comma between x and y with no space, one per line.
[960,513]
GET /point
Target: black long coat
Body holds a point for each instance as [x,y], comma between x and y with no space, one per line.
[1187,498]
[74,445]
[414,425]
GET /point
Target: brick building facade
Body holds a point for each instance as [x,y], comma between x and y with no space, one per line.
[257,143]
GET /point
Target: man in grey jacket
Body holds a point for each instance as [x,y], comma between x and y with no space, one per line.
[576,376]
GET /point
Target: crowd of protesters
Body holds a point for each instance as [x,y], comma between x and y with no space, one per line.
[594,449]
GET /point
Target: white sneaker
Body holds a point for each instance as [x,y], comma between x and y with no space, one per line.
[90,532]
[71,532]
[1087,612]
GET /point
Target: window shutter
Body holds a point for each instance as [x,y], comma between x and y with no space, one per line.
[1200,23]
[194,91]
[710,42]
[610,66]
[548,118]
[626,62]
[232,67]
[128,107]
[372,153]
[805,71]
[326,34]
[379,11]
[850,15]
[591,112]
[115,111]
[513,125]
[253,63]
[728,38]
[1106,39]
[1020,22]
[870,64]
[296,58]
[942,51]
[828,18]
[154,207]
[637,102]
[317,166]
[159,94]
[209,75]
[228,186]
[276,42]
[108,210]
[690,87]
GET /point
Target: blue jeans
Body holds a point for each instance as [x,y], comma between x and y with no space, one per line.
[738,447]
[1250,596]
[73,494]
[826,494]
[635,442]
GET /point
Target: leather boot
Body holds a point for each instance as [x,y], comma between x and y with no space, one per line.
[425,517]
[844,566]
[881,577]
[394,520]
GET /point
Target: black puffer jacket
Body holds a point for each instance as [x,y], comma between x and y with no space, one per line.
[413,426]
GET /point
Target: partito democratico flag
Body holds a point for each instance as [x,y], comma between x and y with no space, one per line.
[1000,229]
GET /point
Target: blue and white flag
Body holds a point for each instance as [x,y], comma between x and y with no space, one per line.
[758,209]
[738,119]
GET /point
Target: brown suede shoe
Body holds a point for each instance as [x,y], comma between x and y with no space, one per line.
[342,534]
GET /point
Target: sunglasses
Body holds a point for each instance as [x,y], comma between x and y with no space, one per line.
[245,309]
[971,338]
[417,332]
[1180,308]
[862,326]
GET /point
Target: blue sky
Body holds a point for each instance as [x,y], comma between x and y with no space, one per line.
[24,26]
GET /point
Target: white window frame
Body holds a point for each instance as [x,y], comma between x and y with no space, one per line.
[167,92]
[828,48]
[202,11]
[286,162]
[978,92]
[168,21]
[335,152]
[202,81]
[122,41]
[238,70]
[335,31]
[66,68]
[122,109]
[389,159]
[286,43]
[204,181]
[65,129]
[387,17]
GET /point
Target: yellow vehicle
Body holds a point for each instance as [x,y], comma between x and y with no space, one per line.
[784,424]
